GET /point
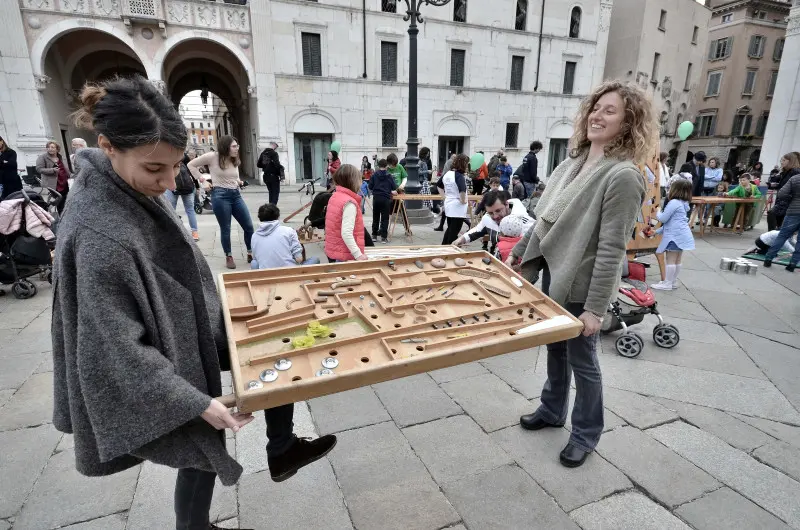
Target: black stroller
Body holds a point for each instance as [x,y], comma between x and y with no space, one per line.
[22,255]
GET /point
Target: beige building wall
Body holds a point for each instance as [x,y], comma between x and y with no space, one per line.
[741,20]
[639,31]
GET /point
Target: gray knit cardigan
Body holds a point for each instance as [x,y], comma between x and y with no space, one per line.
[137,332]
[585,247]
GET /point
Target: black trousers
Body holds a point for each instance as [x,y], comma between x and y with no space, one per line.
[381,211]
[280,429]
[274,188]
[477,187]
[453,228]
[774,222]
[194,490]
[761,246]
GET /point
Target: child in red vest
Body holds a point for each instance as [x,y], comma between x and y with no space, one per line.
[344,222]
[512,228]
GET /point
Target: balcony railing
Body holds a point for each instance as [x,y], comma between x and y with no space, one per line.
[231,15]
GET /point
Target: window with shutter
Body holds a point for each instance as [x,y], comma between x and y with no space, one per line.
[773,80]
[662,21]
[521,19]
[714,84]
[706,124]
[312,53]
[389,133]
[756,49]
[656,63]
[388,61]
[457,61]
[761,126]
[687,83]
[695,32]
[778,52]
[569,77]
[575,23]
[517,70]
[512,134]
[389,6]
[460,11]
[749,83]
[720,48]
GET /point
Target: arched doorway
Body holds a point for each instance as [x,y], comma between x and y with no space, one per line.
[197,64]
[70,61]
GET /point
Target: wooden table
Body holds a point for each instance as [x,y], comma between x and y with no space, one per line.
[704,204]
[399,206]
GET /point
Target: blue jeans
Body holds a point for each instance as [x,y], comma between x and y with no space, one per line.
[188,205]
[574,356]
[227,203]
[791,224]
[530,187]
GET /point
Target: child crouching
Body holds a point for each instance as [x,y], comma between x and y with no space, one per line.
[677,236]
[512,228]
[275,245]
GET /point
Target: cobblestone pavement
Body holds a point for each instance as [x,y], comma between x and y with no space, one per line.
[704,436]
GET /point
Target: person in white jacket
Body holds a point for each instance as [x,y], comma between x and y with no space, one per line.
[275,245]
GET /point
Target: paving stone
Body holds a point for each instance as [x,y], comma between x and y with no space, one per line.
[788,339]
[519,361]
[770,489]
[782,456]
[417,504]
[790,281]
[17,369]
[505,498]
[347,410]
[453,448]
[31,405]
[460,371]
[62,496]
[45,366]
[18,318]
[722,391]
[660,471]
[518,369]
[722,425]
[24,455]
[310,500]
[251,442]
[157,483]
[781,431]
[738,309]
[727,509]
[537,453]
[111,522]
[67,442]
[709,280]
[5,395]
[676,308]
[638,410]
[4,525]
[725,358]
[489,401]
[374,457]
[627,511]
[610,420]
[415,399]
[32,341]
[780,362]
[230,523]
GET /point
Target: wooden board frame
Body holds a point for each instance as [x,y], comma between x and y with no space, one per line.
[475,331]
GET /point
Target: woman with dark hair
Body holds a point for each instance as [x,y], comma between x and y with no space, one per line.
[226,199]
[185,189]
[53,172]
[9,179]
[138,334]
[757,170]
[454,184]
[366,167]
[790,166]
[425,175]
[333,165]
[585,218]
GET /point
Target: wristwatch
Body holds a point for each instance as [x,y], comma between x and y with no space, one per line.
[599,318]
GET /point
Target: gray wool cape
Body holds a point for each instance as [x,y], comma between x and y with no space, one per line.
[138,333]
[585,247]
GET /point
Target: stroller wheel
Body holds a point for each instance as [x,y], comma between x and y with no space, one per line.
[629,345]
[198,209]
[23,290]
[666,336]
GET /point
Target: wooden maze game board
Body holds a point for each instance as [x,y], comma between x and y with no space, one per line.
[303,332]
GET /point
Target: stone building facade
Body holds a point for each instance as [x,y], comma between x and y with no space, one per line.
[492,74]
[660,45]
[731,109]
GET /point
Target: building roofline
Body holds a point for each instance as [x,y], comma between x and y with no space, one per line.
[737,4]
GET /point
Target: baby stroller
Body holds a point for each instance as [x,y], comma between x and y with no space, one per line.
[22,255]
[634,301]
[202,200]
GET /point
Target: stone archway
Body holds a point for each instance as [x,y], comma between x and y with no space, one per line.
[188,63]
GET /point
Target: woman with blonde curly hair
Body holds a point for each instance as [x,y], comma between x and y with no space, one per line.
[584,220]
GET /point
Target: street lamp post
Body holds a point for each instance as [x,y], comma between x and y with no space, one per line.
[412,159]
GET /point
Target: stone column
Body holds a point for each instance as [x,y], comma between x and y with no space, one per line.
[265,117]
[783,127]
[603,26]
[25,125]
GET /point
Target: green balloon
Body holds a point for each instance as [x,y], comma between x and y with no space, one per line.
[685,130]
[476,161]
[336,145]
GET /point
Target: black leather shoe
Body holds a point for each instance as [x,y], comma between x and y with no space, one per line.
[303,452]
[572,456]
[767,263]
[533,422]
[791,267]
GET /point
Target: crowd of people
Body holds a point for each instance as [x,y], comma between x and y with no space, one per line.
[152,300]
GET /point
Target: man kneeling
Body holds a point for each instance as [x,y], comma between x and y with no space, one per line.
[275,245]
